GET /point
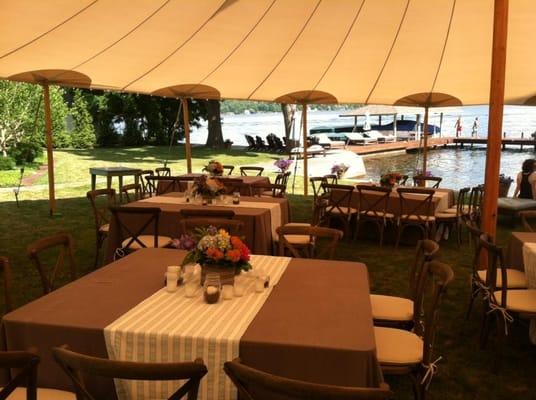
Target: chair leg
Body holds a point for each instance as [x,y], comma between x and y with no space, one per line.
[98,244]
[381,228]
[501,336]
[485,328]
[472,297]
[399,230]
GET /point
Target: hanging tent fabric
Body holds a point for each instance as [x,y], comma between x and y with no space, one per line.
[358,51]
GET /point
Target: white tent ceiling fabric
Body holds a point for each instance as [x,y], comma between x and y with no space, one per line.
[346,51]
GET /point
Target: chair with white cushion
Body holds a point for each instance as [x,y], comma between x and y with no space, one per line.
[416,209]
[306,241]
[138,228]
[399,311]
[401,352]
[373,203]
[338,200]
[23,383]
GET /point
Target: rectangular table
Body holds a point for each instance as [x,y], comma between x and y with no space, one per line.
[249,181]
[110,172]
[316,323]
[258,224]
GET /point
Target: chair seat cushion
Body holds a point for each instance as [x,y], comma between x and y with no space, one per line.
[397,346]
[378,214]
[454,210]
[343,210]
[516,279]
[521,301]
[418,218]
[298,239]
[104,228]
[42,394]
[391,308]
[148,241]
[446,215]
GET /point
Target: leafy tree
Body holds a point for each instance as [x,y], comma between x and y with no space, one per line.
[83,133]
[215,134]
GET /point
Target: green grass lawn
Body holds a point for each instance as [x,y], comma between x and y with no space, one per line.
[465,371]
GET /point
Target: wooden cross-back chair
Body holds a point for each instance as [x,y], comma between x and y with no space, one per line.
[419,180]
[233,226]
[418,212]
[5,275]
[233,185]
[251,171]
[146,186]
[319,197]
[315,247]
[132,192]
[373,203]
[228,169]
[268,190]
[332,179]
[338,205]
[282,178]
[250,381]
[163,171]
[206,213]
[162,184]
[454,217]
[102,215]
[416,357]
[61,242]
[142,234]
[503,301]
[404,180]
[475,203]
[399,311]
[77,365]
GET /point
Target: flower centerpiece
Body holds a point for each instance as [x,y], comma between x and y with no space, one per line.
[390,179]
[208,188]
[418,172]
[214,168]
[339,169]
[283,164]
[504,185]
[217,252]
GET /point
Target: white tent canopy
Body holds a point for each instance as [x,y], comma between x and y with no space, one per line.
[358,51]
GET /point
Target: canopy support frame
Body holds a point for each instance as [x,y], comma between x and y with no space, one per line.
[50,151]
[187,145]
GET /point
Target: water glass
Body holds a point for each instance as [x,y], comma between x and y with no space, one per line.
[239,288]
[212,288]
[236,198]
[227,292]
[191,288]
[259,284]
[171,281]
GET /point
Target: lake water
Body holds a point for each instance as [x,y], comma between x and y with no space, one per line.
[458,167]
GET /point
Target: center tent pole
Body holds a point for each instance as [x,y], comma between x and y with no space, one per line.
[305,172]
[425,143]
[187,146]
[50,152]
[496,105]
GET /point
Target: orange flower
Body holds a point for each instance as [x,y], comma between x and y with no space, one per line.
[214,253]
[234,255]
[236,242]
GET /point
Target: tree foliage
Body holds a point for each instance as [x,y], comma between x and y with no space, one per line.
[83,132]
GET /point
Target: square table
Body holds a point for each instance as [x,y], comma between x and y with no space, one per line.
[110,172]
[258,223]
[316,323]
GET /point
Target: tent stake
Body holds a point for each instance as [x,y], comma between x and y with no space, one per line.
[187,146]
[496,105]
[50,153]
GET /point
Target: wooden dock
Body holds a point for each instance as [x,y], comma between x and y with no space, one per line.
[520,142]
[409,146]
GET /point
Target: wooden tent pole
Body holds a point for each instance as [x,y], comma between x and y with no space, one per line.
[394,128]
[425,142]
[496,104]
[187,146]
[305,161]
[50,152]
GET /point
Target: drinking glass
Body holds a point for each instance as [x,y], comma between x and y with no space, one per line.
[239,288]
[236,198]
[191,288]
[227,292]
[171,281]
[212,288]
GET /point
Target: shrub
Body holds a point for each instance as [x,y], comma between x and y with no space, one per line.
[6,163]
[25,152]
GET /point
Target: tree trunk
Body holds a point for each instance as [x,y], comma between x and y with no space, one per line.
[288,111]
[215,135]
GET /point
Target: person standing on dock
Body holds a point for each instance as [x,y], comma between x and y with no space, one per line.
[474,130]
[526,180]
[458,126]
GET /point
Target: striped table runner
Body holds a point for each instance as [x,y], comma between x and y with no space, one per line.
[274,208]
[529,260]
[168,327]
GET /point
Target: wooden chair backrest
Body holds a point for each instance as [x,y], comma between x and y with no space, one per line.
[404,179]
[435,278]
[526,217]
[257,171]
[190,225]
[475,202]
[5,274]
[268,189]
[282,178]
[132,192]
[332,179]
[163,171]
[228,168]
[250,381]
[316,235]
[339,199]
[206,213]
[425,251]
[460,201]
[77,365]
[418,180]
[495,266]
[23,365]
[64,244]
[101,213]
[148,218]
[421,208]
[375,202]
[316,184]
[235,185]
[146,187]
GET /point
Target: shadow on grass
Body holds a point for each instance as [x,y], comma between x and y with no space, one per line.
[464,372]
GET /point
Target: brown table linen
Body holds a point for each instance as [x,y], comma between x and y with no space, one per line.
[316,324]
[257,231]
[514,251]
[393,205]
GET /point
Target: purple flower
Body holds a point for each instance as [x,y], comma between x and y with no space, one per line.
[212,230]
[283,164]
[185,242]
